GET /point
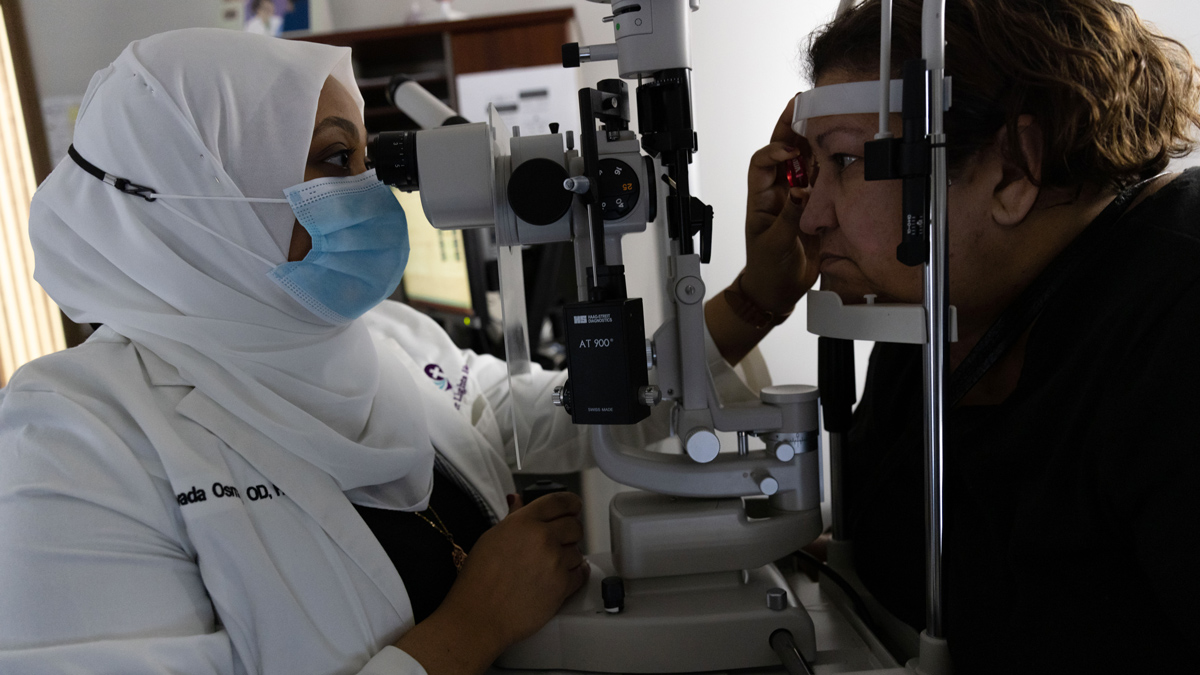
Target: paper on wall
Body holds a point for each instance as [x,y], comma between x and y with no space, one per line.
[59,113]
[529,98]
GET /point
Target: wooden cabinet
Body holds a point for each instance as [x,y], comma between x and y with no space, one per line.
[434,53]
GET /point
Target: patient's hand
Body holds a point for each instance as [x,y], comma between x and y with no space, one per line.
[781,261]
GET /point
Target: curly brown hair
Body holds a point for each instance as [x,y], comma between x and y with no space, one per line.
[1114,100]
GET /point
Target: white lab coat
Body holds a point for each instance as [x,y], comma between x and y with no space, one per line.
[134,540]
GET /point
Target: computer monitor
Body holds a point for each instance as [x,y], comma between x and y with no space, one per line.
[452,277]
[438,276]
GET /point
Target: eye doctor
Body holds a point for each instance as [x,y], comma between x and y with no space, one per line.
[246,469]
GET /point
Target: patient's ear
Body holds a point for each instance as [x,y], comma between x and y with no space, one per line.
[1015,191]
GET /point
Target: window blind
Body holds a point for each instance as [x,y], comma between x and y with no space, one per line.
[30,323]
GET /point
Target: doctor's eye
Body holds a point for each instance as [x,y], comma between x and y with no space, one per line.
[340,159]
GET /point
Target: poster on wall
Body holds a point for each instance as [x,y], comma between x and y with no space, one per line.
[275,17]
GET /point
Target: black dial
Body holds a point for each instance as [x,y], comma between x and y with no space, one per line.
[535,191]
[619,189]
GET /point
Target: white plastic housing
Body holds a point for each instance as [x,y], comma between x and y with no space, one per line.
[653,38]
[880,322]
[424,108]
[457,176]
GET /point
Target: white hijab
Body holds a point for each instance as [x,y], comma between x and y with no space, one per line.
[222,113]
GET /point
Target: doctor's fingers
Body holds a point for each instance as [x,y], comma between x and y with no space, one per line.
[577,577]
[565,531]
[553,506]
[574,569]
[514,502]
[571,557]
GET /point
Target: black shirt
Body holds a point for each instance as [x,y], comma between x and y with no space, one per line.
[1072,508]
[422,554]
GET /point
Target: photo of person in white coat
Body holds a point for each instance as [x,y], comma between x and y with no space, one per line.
[247,468]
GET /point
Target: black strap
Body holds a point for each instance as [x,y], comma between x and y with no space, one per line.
[122,184]
[1013,322]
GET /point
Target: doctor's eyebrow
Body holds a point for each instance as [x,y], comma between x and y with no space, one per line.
[339,122]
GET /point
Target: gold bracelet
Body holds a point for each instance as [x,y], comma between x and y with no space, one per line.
[746,309]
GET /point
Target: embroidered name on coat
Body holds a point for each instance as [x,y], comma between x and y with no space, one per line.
[253,493]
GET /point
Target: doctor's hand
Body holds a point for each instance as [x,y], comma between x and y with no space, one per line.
[514,580]
[522,570]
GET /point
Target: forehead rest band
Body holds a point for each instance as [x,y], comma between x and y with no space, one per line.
[848,98]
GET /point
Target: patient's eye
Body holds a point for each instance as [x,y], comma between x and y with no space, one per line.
[843,161]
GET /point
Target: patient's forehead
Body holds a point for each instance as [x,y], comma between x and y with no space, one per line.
[860,127]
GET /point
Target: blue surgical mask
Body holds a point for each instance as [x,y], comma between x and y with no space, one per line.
[359,236]
[359,246]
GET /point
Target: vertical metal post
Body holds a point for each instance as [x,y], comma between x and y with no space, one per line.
[936,312]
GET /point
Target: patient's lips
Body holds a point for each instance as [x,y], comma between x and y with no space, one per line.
[829,260]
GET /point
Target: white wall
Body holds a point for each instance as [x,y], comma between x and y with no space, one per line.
[1181,21]
[746,68]
[70,40]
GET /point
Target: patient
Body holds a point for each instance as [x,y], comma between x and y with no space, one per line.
[1073,518]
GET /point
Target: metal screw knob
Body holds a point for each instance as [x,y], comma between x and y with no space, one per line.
[578,184]
[776,599]
[556,396]
[768,486]
[702,445]
[612,592]
[689,290]
[650,395]
[651,356]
